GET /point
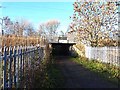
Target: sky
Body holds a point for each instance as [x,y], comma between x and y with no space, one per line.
[38,0]
[39,12]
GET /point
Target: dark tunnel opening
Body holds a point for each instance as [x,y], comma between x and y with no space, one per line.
[61,49]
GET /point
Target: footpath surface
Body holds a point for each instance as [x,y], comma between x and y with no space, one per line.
[76,76]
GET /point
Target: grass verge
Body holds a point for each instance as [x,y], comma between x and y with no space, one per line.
[49,76]
[54,78]
[106,71]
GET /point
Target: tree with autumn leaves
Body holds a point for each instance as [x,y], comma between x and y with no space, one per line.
[95,21]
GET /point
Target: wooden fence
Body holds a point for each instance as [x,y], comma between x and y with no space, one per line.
[104,54]
[15,61]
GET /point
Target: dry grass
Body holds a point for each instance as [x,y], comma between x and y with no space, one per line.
[12,40]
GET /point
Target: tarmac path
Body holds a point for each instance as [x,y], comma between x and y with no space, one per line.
[76,76]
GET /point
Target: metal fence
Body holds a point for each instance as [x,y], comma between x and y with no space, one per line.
[15,61]
[104,54]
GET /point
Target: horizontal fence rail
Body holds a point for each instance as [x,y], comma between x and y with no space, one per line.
[14,62]
[104,54]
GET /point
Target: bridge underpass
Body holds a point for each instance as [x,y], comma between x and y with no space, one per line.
[61,49]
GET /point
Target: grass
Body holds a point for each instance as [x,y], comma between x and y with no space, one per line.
[106,71]
[54,77]
[47,76]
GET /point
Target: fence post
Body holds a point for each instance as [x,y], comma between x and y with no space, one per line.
[23,60]
[26,66]
[10,76]
[21,64]
[18,65]
[15,66]
[28,56]
[4,69]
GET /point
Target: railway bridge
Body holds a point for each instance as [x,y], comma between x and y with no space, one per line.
[62,47]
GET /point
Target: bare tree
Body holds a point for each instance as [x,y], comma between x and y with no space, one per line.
[19,27]
[6,25]
[49,29]
[30,31]
[42,29]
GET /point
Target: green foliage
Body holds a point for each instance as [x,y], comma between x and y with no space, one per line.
[105,70]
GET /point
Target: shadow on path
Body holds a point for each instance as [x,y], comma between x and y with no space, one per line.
[76,76]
